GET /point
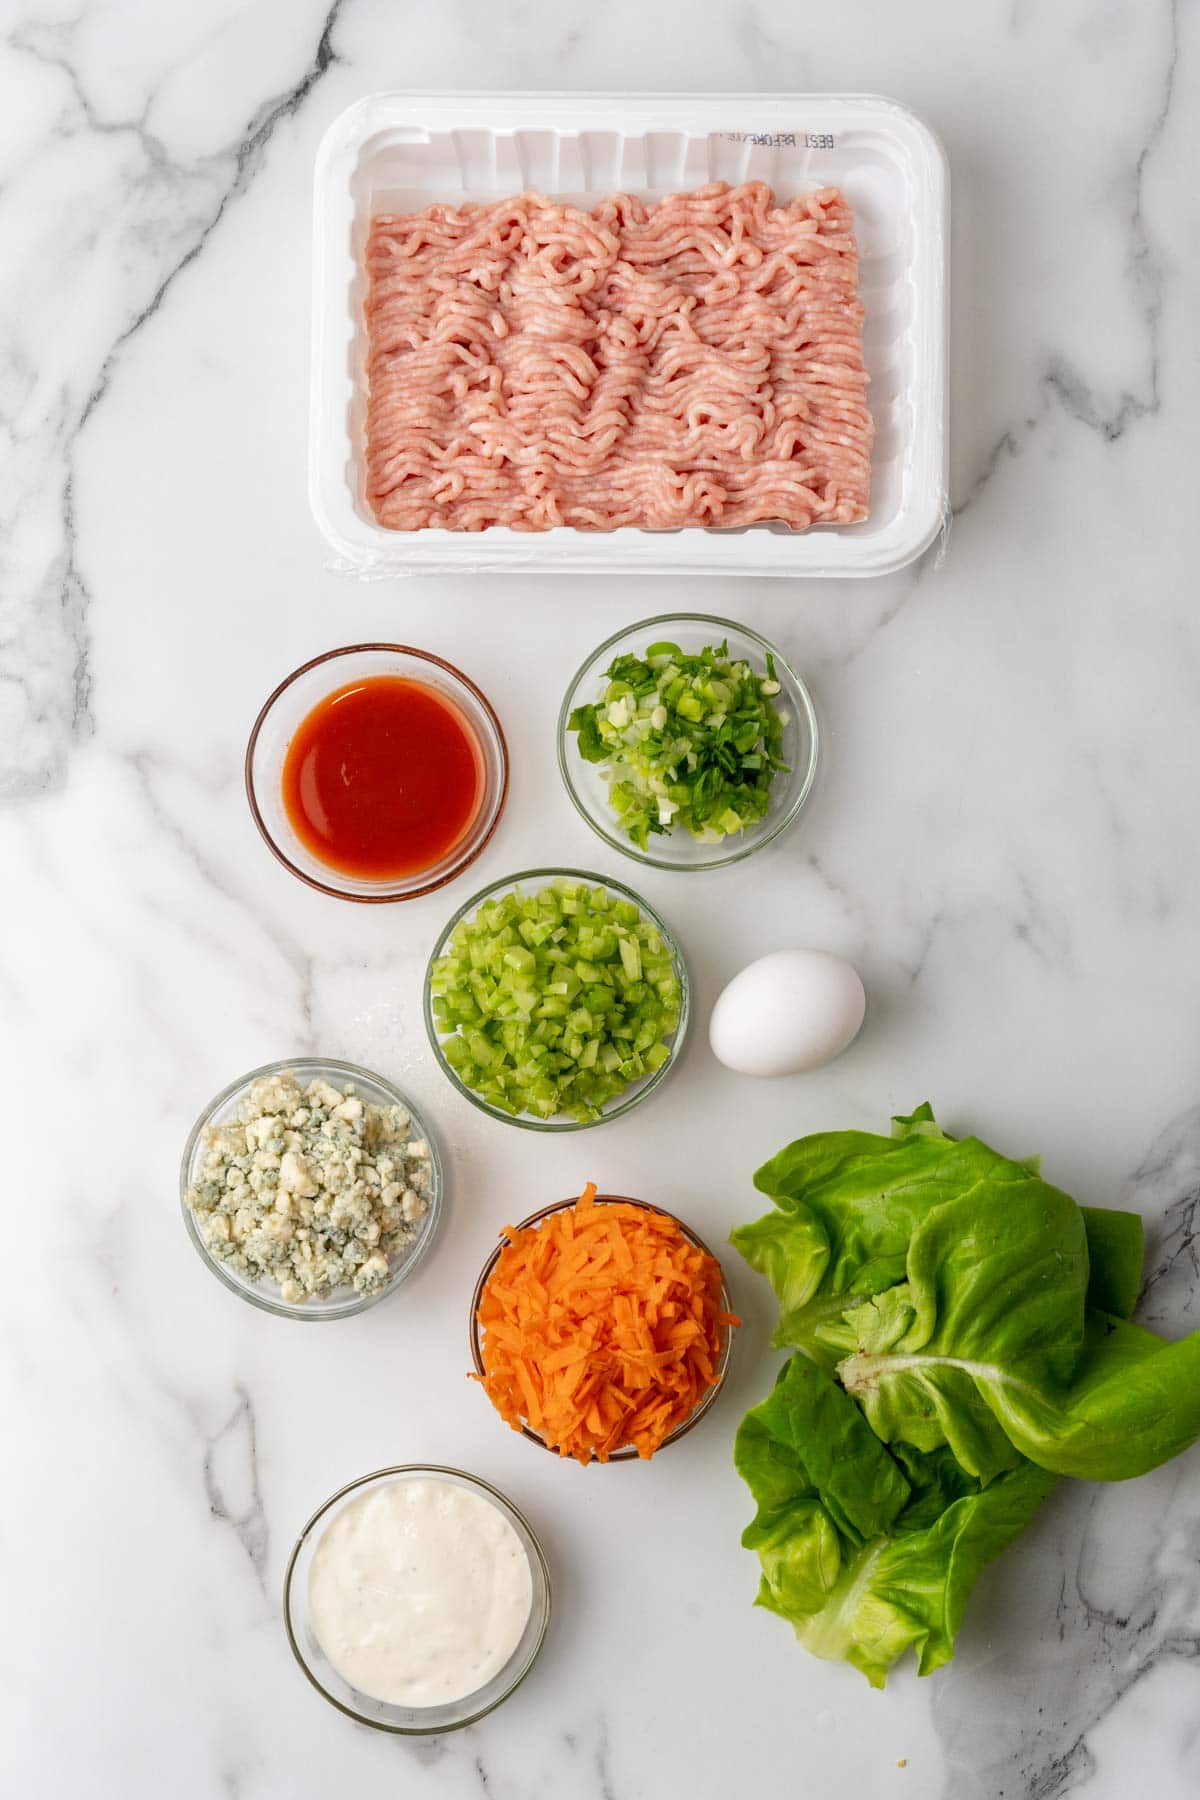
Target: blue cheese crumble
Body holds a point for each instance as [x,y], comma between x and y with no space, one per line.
[313,1189]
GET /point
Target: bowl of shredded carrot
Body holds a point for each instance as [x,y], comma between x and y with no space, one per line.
[601,1328]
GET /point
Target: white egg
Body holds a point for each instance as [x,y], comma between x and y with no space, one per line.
[790,1011]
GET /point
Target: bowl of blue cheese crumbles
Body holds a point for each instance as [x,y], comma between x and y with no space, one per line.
[311,1188]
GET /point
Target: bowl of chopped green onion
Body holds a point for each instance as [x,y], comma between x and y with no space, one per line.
[687,741]
[556,999]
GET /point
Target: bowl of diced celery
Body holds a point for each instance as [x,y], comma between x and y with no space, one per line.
[687,741]
[556,999]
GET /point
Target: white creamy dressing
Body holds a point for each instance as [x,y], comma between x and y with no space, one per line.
[419,1591]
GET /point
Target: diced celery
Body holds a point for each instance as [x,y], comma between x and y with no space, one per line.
[552,1003]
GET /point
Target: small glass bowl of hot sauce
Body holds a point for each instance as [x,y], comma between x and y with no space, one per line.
[377,772]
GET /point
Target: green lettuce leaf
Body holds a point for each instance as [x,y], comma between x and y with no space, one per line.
[849,1203]
[1134,1404]
[924,1577]
[991,1349]
[952,1290]
[792,1250]
[994,1301]
[864,1558]
[806,1440]
[967,1338]
[1116,1244]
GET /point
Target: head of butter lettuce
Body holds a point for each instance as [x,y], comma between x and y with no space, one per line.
[964,1339]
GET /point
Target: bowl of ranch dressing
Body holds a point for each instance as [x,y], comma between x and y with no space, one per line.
[416,1599]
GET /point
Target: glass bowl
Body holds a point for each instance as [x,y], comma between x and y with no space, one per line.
[412,1721]
[586,783]
[290,705]
[485,1274]
[344,1302]
[531,879]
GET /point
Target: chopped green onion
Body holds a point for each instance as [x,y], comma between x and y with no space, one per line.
[554,1003]
[692,742]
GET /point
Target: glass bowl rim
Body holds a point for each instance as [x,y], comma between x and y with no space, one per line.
[388,895]
[785,819]
[626,1453]
[390,1471]
[283,1309]
[649,1083]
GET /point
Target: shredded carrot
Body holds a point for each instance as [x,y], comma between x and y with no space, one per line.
[601,1327]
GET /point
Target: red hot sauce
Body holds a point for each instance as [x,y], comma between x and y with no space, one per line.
[383,778]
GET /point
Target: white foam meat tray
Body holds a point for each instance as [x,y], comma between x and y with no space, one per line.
[400,152]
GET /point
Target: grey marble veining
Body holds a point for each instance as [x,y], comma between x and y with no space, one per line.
[156,209]
[1104,1592]
[1003,838]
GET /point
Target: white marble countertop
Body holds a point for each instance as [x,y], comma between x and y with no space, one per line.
[1004,839]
